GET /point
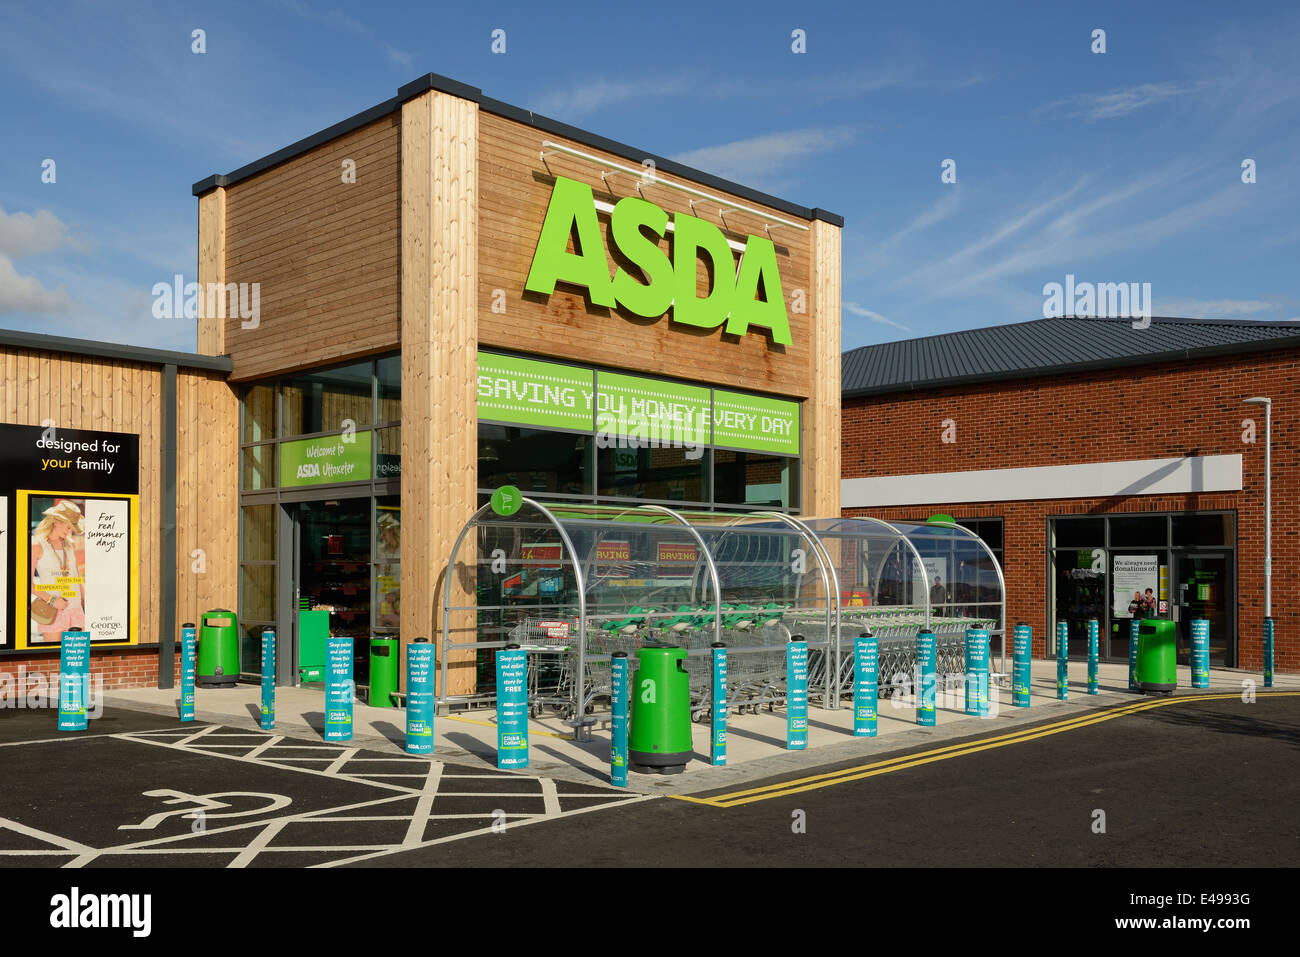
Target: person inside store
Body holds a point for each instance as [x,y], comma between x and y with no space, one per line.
[1136,606]
[938,594]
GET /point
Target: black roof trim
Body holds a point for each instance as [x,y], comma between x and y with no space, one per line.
[434,81]
[38,342]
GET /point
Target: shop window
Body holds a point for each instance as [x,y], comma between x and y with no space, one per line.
[389,374]
[989,529]
[1080,594]
[257,468]
[326,401]
[259,414]
[537,461]
[755,479]
[257,542]
[1079,532]
[1127,531]
[257,592]
[387,555]
[388,453]
[1205,529]
[668,474]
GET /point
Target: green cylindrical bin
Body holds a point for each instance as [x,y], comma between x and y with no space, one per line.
[660,738]
[1157,656]
[384,658]
[217,663]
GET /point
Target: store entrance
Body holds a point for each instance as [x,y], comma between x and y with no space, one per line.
[331,583]
[1203,585]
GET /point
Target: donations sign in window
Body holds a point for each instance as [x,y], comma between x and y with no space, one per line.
[69,536]
[513,390]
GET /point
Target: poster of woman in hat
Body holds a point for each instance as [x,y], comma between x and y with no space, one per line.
[57,592]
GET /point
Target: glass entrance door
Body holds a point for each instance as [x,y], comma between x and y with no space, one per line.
[1203,589]
[331,577]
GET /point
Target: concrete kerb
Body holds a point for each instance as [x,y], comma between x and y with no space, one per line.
[755,747]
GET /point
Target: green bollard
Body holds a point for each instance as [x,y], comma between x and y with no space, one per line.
[660,738]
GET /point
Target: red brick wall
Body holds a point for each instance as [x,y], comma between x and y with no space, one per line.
[121,669]
[1174,409]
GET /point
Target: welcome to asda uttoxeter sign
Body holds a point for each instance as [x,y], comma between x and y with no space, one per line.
[670,282]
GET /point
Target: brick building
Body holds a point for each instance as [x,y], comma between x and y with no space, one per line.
[1098,460]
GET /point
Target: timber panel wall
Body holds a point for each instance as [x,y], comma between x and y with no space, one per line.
[515,188]
[207,494]
[326,254]
[439,363]
[81,392]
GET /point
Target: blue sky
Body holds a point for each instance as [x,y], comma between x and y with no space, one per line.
[1123,166]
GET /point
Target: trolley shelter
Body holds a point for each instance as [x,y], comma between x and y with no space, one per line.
[573,584]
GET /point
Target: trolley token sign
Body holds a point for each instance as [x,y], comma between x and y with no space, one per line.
[618,721]
[1200,653]
[866,685]
[1268,652]
[718,744]
[1062,660]
[977,672]
[926,667]
[187,671]
[512,708]
[1134,627]
[1094,643]
[1021,643]
[796,694]
[74,680]
[419,698]
[338,689]
[268,680]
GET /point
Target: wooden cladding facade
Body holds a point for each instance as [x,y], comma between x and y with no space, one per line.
[515,188]
[85,392]
[325,252]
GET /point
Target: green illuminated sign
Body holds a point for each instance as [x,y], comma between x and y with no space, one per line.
[320,461]
[632,411]
[755,423]
[636,228]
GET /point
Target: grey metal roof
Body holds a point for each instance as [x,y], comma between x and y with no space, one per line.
[39,342]
[1048,347]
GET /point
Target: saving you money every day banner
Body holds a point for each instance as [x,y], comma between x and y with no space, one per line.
[69,536]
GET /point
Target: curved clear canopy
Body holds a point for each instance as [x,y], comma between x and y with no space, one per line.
[580,582]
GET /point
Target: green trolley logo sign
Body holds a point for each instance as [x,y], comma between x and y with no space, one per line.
[637,226]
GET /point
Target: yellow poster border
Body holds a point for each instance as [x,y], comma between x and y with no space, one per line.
[22,615]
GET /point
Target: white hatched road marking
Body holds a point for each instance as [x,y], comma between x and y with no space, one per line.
[260,751]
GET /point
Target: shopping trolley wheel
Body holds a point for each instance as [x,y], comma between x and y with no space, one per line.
[535,711]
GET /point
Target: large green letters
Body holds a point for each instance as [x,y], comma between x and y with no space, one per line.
[668,282]
[571,205]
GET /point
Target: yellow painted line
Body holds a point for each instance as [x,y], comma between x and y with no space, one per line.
[490,724]
[815,782]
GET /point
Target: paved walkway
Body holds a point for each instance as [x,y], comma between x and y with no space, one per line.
[756,742]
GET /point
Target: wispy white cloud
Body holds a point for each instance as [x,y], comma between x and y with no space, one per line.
[27,234]
[761,156]
[1211,308]
[873,316]
[336,19]
[26,294]
[1120,102]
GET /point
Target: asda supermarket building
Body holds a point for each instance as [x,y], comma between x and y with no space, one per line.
[439,296]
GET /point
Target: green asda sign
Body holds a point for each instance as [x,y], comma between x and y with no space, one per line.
[644,412]
[320,461]
[637,226]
